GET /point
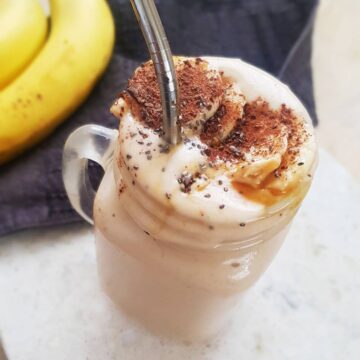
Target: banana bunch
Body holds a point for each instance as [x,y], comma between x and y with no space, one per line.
[48,81]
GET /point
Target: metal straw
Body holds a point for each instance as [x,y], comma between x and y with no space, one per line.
[159,49]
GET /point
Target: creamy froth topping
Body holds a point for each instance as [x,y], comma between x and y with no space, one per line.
[201,91]
[247,140]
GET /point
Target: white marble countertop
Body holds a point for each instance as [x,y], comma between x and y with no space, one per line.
[306,306]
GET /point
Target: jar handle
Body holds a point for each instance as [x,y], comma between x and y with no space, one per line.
[88,142]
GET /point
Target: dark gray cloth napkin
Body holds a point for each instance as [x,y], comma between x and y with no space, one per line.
[272,34]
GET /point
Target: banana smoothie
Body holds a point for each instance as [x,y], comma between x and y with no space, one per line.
[182,231]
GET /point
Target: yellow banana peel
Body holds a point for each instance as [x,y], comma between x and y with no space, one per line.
[60,77]
[23,30]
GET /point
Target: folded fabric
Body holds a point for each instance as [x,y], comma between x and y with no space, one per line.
[272,34]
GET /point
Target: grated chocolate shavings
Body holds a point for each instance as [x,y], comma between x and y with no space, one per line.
[197,89]
[256,132]
[186,180]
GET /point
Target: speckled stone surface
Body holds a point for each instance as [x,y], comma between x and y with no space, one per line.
[336,69]
[306,306]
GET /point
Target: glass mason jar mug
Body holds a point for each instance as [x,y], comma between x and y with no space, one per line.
[160,267]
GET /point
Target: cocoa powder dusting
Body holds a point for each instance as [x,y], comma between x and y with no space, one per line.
[257,130]
[198,86]
[297,135]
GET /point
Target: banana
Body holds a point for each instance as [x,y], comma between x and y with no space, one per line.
[23,30]
[60,77]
